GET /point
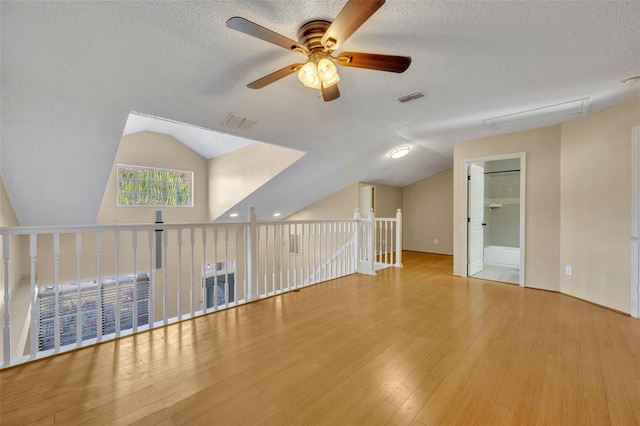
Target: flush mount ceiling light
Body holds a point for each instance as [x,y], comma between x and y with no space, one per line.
[399,152]
[233,215]
[632,81]
[276,214]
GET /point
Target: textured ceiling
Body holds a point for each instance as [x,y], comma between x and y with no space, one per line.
[73,71]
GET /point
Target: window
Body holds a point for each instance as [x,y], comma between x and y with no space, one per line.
[149,186]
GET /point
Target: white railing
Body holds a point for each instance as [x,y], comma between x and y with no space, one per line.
[86,284]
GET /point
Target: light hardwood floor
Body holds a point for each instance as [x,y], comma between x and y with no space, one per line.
[412,345]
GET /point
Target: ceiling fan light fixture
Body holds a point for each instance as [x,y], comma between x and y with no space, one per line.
[308,75]
[327,72]
[399,152]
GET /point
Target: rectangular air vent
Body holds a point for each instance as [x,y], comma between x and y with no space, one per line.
[410,97]
[236,122]
[537,117]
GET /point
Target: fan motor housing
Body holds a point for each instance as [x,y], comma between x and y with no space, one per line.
[310,34]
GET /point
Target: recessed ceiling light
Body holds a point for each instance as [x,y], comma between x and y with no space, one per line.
[399,152]
[276,214]
[233,215]
[632,81]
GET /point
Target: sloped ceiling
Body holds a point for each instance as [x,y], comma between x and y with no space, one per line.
[73,71]
[206,142]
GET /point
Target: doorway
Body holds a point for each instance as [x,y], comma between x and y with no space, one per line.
[493,214]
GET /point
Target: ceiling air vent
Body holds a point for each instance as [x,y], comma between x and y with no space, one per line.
[410,97]
[548,115]
[237,122]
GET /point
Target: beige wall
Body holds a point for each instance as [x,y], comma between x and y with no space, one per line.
[233,176]
[339,205]
[18,252]
[387,199]
[596,198]
[428,214]
[542,225]
[156,150]
[343,203]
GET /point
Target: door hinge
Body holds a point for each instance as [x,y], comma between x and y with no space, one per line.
[468,220]
[468,177]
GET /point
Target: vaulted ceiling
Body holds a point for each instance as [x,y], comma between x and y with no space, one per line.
[73,71]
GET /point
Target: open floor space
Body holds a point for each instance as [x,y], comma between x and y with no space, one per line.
[412,345]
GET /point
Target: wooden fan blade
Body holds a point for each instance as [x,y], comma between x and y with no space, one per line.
[330,93]
[351,17]
[374,61]
[244,26]
[274,76]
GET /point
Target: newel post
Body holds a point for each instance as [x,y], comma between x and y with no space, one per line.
[371,246]
[398,239]
[252,257]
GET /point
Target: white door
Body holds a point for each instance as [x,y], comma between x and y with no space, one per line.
[476,217]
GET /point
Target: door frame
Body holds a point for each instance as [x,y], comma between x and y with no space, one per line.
[464,207]
[634,310]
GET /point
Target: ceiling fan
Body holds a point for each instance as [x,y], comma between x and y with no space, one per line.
[317,40]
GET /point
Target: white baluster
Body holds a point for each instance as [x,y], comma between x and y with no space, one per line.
[56,318]
[35,315]
[152,281]
[6,330]
[79,294]
[245,264]
[203,287]
[134,311]
[281,227]
[342,249]
[193,271]
[326,273]
[265,257]
[226,266]
[215,269]
[314,264]
[99,286]
[296,251]
[118,304]
[235,262]
[332,225]
[179,232]
[290,249]
[252,258]
[165,284]
[273,259]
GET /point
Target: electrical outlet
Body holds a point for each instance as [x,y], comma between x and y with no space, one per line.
[568,270]
[435,241]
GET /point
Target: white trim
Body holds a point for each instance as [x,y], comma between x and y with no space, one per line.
[634,309]
[464,206]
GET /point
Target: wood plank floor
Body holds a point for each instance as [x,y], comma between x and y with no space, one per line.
[412,345]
